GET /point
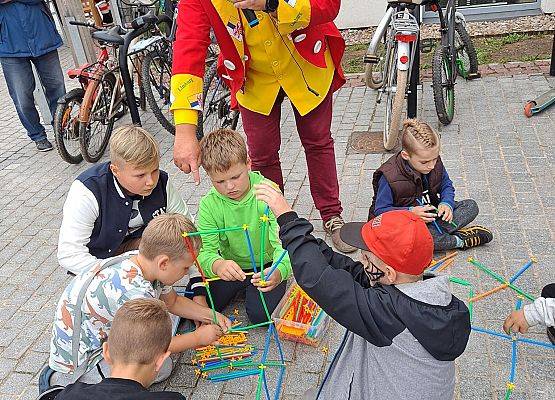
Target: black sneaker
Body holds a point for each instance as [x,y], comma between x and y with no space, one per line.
[473,236]
[43,145]
[551,334]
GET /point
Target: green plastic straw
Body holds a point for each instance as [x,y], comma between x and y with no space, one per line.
[499,278]
[246,328]
[259,386]
[213,231]
[459,281]
[470,303]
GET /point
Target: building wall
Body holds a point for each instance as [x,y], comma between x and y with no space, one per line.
[365,13]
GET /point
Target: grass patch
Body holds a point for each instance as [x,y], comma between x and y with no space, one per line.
[502,49]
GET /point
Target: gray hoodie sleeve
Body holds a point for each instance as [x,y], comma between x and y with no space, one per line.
[541,311]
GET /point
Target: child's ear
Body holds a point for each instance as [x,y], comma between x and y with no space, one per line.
[106,353]
[249,163]
[160,361]
[162,262]
[114,168]
[390,274]
[405,155]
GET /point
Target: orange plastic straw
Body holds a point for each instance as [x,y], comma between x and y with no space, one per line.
[446,264]
[492,291]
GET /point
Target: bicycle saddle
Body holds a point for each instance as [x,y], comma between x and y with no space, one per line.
[111,35]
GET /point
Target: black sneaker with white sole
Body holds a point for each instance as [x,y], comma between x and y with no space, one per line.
[43,145]
[473,236]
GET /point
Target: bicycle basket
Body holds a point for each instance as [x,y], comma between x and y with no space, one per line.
[131,9]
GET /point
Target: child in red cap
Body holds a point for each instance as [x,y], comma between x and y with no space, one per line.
[404,330]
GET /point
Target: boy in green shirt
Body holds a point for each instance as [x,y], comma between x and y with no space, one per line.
[231,202]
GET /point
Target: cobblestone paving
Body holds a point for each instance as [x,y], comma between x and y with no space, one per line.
[493,153]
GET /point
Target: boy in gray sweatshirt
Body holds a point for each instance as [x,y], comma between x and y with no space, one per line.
[404,330]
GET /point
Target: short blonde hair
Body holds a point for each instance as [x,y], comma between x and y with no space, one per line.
[133,145]
[141,331]
[418,135]
[163,235]
[221,149]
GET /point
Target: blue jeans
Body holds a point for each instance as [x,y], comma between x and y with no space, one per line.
[21,84]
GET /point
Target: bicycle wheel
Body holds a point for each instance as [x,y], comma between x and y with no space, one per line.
[395,87]
[94,136]
[467,60]
[374,73]
[156,74]
[443,86]
[217,112]
[66,126]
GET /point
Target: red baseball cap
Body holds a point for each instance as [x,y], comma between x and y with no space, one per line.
[399,238]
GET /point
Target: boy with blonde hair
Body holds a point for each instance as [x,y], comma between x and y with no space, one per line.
[404,329]
[133,367]
[88,304]
[231,202]
[109,205]
[415,179]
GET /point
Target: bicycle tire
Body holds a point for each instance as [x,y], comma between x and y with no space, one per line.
[374,73]
[106,84]
[466,48]
[392,125]
[163,90]
[444,93]
[68,133]
[218,114]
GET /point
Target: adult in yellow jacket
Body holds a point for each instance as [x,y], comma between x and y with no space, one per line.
[294,50]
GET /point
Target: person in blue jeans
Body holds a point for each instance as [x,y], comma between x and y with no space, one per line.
[28,35]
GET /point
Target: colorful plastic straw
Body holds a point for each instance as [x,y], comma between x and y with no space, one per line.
[499,278]
[521,271]
[276,264]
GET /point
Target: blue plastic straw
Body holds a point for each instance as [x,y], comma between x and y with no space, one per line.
[232,375]
[266,344]
[513,363]
[280,379]
[276,264]
[437,265]
[518,303]
[493,333]
[268,397]
[537,343]
[521,271]
[251,251]
[434,221]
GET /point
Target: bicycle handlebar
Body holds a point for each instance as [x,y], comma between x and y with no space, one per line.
[148,18]
[85,24]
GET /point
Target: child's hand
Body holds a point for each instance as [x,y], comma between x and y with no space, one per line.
[516,322]
[272,197]
[201,301]
[445,212]
[269,284]
[424,212]
[228,270]
[208,334]
[224,322]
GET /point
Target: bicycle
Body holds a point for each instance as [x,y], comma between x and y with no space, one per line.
[391,54]
[156,76]
[106,91]
[455,56]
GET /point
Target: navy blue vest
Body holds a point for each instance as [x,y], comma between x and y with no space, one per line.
[115,211]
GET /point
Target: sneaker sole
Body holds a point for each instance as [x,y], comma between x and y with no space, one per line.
[45,150]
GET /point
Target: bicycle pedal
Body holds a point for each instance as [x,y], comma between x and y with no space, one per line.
[471,76]
[371,59]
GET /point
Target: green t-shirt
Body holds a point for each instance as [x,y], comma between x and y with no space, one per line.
[217,211]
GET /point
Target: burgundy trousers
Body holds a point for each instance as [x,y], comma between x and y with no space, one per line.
[264,141]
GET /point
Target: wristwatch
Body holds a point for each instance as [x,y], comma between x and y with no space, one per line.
[271,5]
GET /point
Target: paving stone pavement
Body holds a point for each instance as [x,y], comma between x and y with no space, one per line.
[493,153]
